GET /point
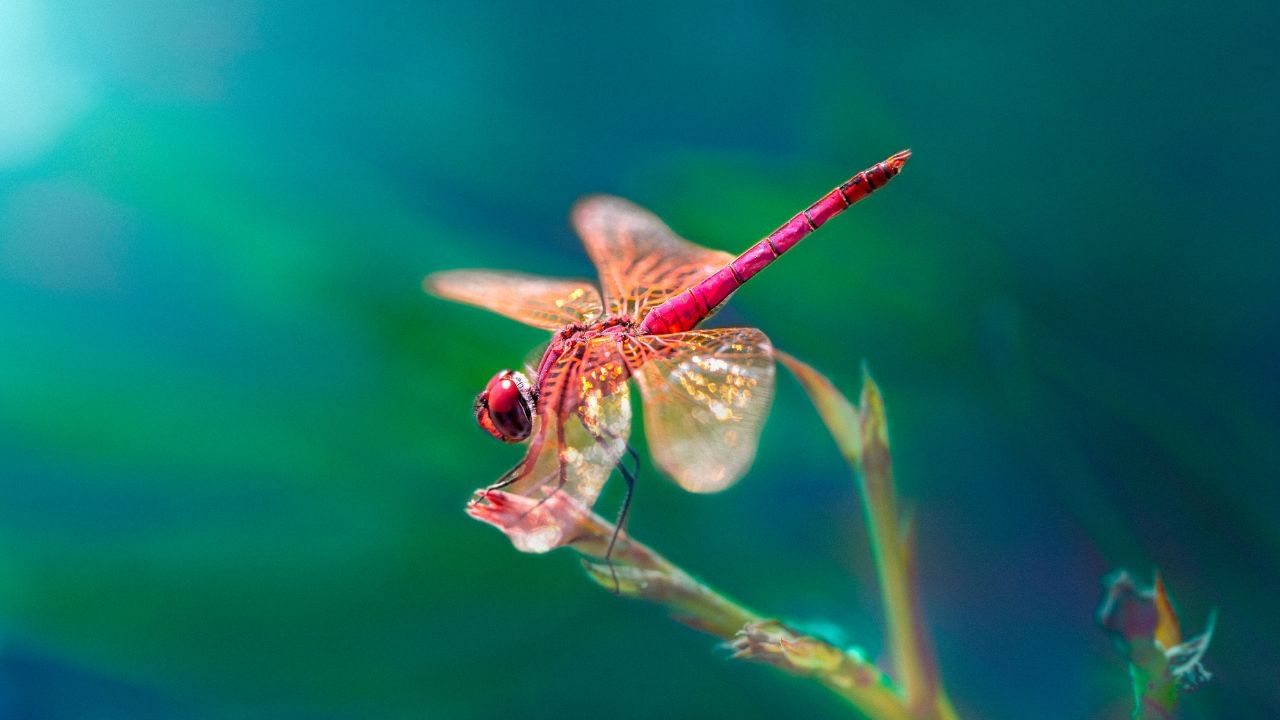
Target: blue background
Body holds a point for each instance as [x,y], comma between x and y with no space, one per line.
[235,437]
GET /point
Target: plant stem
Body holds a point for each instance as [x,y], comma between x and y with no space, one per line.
[637,571]
[643,573]
[863,439]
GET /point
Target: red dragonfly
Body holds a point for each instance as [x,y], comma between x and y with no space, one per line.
[706,391]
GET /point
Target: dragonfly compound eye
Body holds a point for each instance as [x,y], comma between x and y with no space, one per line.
[505,408]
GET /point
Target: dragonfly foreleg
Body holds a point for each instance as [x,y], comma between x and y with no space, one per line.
[508,478]
[516,473]
[561,476]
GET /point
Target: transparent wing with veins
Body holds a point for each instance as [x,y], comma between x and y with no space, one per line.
[641,261]
[584,419]
[706,396]
[533,359]
[546,303]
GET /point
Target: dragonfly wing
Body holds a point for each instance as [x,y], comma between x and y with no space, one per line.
[547,303]
[706,396]
[584,419]
[641,261]
[533,359]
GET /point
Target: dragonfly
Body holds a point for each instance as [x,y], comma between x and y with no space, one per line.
[706,391]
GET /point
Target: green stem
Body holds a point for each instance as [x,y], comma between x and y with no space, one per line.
[639,572]
[642,573]
[863,438]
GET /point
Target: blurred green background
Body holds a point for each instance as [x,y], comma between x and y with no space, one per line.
[235,436]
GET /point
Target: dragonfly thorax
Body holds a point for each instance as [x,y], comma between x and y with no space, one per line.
[573,339]
[609,324]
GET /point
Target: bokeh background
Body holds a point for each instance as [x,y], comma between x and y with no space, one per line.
[235,436]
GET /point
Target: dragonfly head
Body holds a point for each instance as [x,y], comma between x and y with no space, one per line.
[505,407]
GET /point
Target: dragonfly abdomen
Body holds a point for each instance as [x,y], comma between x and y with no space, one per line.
[684,311]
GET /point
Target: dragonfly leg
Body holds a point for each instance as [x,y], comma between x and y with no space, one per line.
[630,477]
[635,459]
[508,478]
[516,473]
[561,476]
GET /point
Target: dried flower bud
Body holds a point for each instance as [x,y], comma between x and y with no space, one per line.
[630,581]
[774,643]
[1128,612]
[1147,631]
[1185,658]
[534,526]
[769,641]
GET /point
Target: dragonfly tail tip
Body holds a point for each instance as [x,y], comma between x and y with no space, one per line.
[898,159]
